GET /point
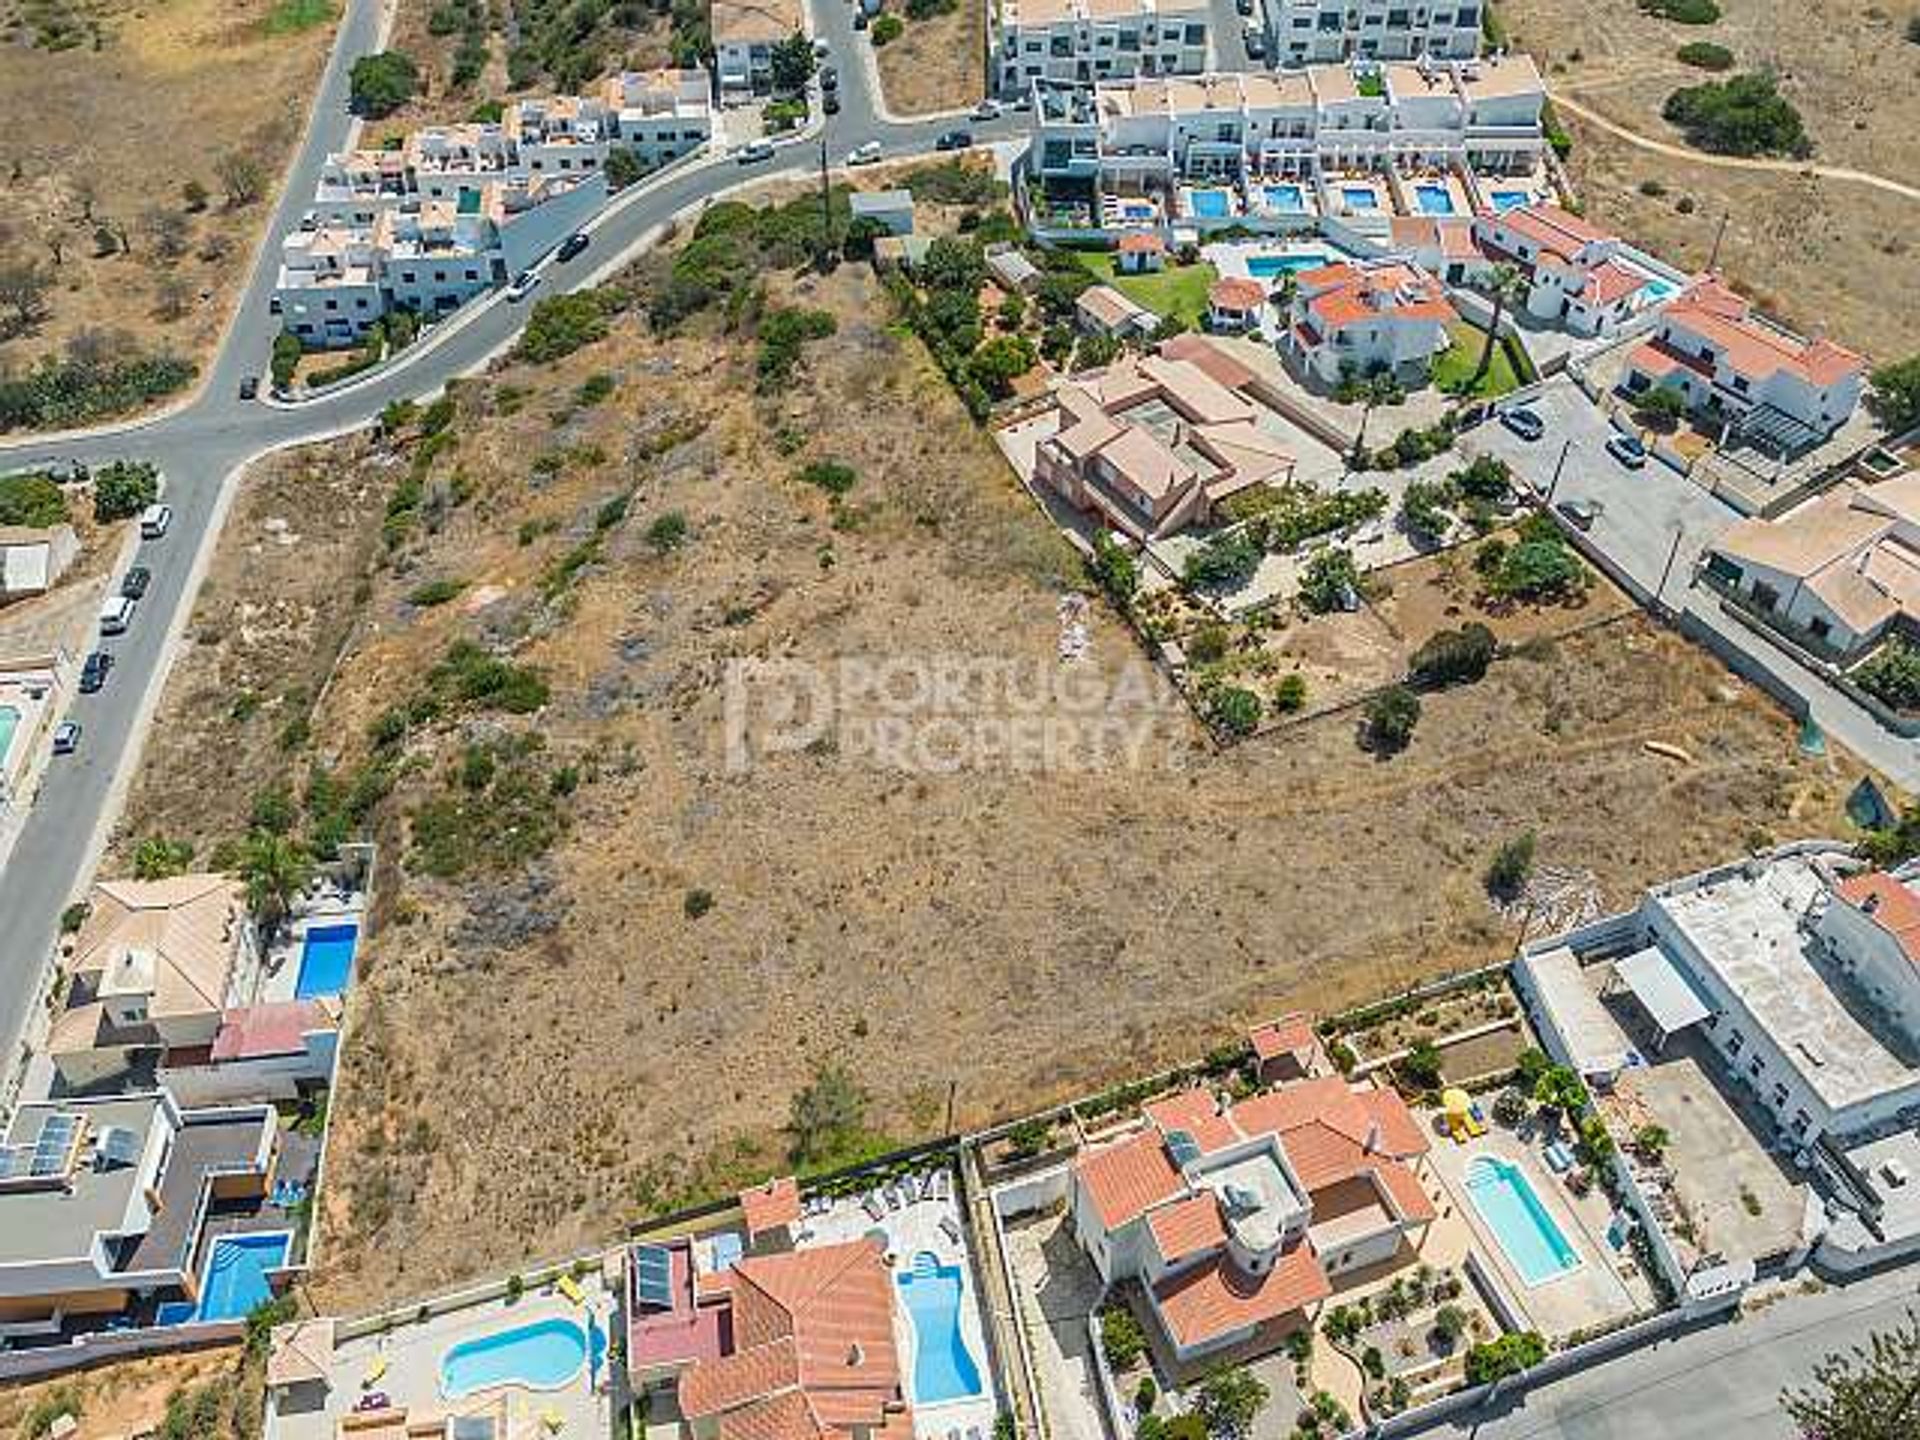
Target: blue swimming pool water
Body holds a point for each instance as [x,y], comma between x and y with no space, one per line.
[1433,199]
[1661,289]
[1209,204]
[1509,199]
[942,1368]
[326,960]
[9,722]
[1527,1233]
[542,1355]
[235,1280]
[1265,267]
[1359,197]
[1284,197]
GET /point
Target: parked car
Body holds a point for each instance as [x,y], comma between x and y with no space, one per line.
[830,102]
[154,521]
[860,19]
[1581,512]
[571,246]
[116,613]
[1245,7]
[754,152]
[954,140]
[93,674]
[1627,449]
[1255,39]
[829,79]
[134,583]
[249,387]
[867,154]
[1023,102]
[986,110]
[1523,422]
[821,49]
[66,737]
[522,285]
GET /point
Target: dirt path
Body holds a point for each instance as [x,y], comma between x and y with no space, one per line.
[1566,102]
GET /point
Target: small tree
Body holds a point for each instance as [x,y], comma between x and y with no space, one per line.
[194,196]
[1504,284]
[1121,1338]
[1508,1355]
[1871,1392]
[792,63]
[380,84]
[1650,1141]
[1227,1401]
[241,177]
[285,358]
[623,167]
[827,1115]
[1449,1323]
[1290,695]
[1389,720]
[23,294]
[1511,865]
[123,488]
[158,858]
[1330,581]
[1420,1066]
[1233,709]
[275,868]
[1660,406]
[1454,655]
[1113,569]
[1560,1089]
[1509,1108]
[1895,394]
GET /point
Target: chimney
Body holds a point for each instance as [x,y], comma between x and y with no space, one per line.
[1372,1144]
[1871,904]
[856,1356]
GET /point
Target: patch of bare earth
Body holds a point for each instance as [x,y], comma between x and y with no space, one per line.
[937,64]
[127,1398]
[100,143]
[542,1051]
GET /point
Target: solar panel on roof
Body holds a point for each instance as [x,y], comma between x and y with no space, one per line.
[118,1145]
[55,1144]
[653,1275]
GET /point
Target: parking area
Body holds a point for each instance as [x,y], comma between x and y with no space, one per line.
[1641,511]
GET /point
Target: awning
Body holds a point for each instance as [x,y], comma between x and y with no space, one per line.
[1667,995]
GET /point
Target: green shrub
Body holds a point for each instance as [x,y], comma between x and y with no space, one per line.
[1683,12]
[1233,709]
[668,532]
[285,358]
[1450,656]
[886,29]
[1208,644]
[828,475]
[469,675]
[697,903]
[435,592]
[1121,1337]
[592,390]
[1512,863]
[1389,718]
[1508,1355]
[1892,674]
[782,333]
[1113,569]
[97,377]
[33,500]
[157,858]
[1224,562]
[1290,695]
[1330,581]
[380,84]
[1745,115]
[497,812]
[123,489]
[561,324]
[1705,55]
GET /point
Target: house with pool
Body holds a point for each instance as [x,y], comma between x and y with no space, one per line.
[1238,1220]
[1579,277]
[136,1210]
[1357,317]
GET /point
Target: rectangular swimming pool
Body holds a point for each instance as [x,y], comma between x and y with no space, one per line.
[1359,197]
[1433,199]
[1529,1236]
[1284,197]
[942,1367]
[235,1279]
[1209,204]
[326,960]
[1265,267]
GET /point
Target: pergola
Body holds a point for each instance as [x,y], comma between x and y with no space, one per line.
[1664,993]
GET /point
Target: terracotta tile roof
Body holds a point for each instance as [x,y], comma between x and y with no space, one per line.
[1210,359]
[1409,1196]
[1716,314]
[760,1370]
[1343,294]
[1894,907]
[257,1031]
[1187,1227]
[1555,231]
[1610,281]
[1142,242]
[186,924]
[1289,1035]
[1108,305]
[771,1206]
[776,1417]
[1127,1179]
[1400,1134]
[1215,1298]
[1235,293]
[1198,1113]
[1657,361]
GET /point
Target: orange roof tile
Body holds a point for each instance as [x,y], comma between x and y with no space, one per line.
[1216,1298]
[1187,1227]
[1610,281]
[1141,242]
[1409,1196]
[1235,293]
[1207,357]
[772,1205]
[1127,1179]
[1289,1035]
[776,1417]
[1198,1113]
[1720,316]
[1894,907]
[712,1386]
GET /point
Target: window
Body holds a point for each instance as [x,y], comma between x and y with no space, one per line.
[1740,383]
[473,274]
[406,277]
[1801,1120]
[1754,1067]
[360,303]
[1779,1095]
[1736,1042]
[440,277]
[333,304]
[1468,19]
[1820,627]
[1196,34]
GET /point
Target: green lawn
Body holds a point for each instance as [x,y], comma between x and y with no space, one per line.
[1177,290]
[1455,366]
[288,16]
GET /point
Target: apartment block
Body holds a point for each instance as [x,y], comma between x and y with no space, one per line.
[1095,40]
[744,34]
[660,115]
[1303,32]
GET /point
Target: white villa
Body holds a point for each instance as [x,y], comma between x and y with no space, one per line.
[1302,32]
[744,34]
[1092,40]
[1367,317]
[1575,277]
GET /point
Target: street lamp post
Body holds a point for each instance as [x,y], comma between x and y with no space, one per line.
[1558,465]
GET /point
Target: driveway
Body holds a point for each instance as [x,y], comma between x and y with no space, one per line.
[1643,510]
[1056,1288]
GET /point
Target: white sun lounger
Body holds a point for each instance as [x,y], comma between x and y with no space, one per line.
[950,1229]
[942,1183]
[871,1204]
[893,1198]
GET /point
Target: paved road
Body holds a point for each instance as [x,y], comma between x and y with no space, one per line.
[1719,1383]
[201,445]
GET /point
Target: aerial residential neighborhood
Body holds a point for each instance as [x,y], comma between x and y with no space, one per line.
[960,720]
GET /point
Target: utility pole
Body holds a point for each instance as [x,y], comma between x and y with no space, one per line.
[1558,465]
[1667,569]
[826,200]
[953,1087]
[1713,260]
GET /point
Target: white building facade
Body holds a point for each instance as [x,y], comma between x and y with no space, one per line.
[1094,40]
[1302,32]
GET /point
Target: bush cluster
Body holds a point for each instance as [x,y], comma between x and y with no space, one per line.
[101,374]
[1743,115]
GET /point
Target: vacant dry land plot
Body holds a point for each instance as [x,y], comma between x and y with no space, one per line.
[1819,253]
[607,953]
[938,63]
[104,139]
[128,1398]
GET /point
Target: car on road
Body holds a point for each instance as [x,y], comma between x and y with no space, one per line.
[571,246]
[1245,7]
[522,285]
[1627,449]
[986,110]
[830,102]
[829,79]
[250,387]
[867,154]
[1523,422]
[93,674]
[116,613]
[1582,512]
[134,583]
[954,140]
[754,152]
[154,521]
[859,19]
[821,49]
[66,737]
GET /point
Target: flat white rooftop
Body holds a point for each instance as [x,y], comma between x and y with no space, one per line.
[1747,927]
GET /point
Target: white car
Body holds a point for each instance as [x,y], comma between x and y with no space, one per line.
[866,154]
[116,613]
[154,521]
[66,737]
[754,152]
[522,285]
[987,110]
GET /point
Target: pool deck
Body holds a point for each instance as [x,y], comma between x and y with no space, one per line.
[280,976]
[413,1350]
[910,1230]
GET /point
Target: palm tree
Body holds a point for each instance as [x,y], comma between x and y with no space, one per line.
[276,868]
[1503,283]
[1381,389]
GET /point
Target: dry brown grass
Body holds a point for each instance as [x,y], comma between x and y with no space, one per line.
[1823,255]
[936,64]
[129,1398]
[539,1056]
[103,137]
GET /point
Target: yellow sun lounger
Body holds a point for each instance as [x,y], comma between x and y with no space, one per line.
[570,1288]
[374,1371]
[553,1421]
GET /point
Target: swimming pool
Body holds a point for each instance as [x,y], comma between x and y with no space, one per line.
[326,960]
[1530,1237]
[1504,200]
[1265,267]
[541,1355]
[9,722]
[235,1279]
[1359,197]
[942,1368]
[1208,204]
[1284,197]
[1433,199]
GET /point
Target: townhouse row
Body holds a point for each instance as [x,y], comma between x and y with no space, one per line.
[1095,40]
[458,209]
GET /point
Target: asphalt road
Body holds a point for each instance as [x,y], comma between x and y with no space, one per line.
[199,446]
